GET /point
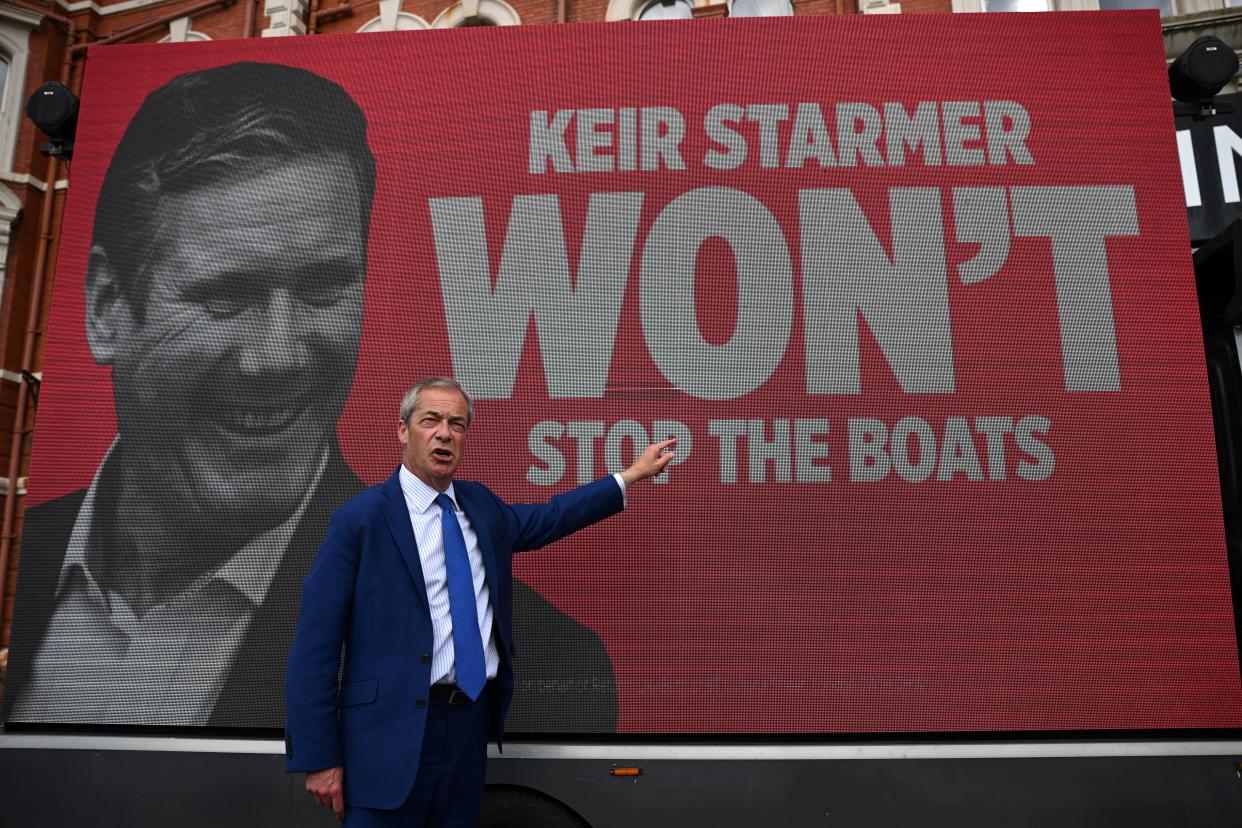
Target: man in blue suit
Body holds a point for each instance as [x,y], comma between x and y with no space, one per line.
[414,580]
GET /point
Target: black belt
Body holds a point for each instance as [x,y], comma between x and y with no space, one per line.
[452,694]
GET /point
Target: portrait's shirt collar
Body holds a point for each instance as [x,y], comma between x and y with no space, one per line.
[79,539]
[167,666]
[250,571]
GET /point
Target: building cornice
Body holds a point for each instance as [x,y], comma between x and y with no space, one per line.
[115,8]
[18,14]
[1202,20]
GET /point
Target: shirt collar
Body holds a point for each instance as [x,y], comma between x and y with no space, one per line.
[418,495]
[254,566]
[75,554]
[251,570]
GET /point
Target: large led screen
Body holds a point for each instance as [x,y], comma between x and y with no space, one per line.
[918,307]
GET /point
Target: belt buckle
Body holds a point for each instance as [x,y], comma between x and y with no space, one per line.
[458,696]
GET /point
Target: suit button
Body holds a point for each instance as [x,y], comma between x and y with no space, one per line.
[425,658]
[420,704]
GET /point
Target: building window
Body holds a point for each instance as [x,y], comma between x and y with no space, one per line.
[665,10]
[16,23]
[761,8]
[1017,5]
[469,13]
[1165,6]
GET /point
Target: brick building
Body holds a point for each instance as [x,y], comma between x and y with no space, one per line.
[43,40]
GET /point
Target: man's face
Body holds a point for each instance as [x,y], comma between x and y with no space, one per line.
[435,436]
[228,390]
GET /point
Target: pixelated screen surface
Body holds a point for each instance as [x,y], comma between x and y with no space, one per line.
[919,310]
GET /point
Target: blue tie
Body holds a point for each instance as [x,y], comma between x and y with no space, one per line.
[467,645]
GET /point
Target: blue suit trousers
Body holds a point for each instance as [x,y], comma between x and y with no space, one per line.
[448,789]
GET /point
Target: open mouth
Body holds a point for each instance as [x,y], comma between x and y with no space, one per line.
[442,454]
[252,418]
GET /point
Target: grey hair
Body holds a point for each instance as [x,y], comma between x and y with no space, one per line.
[199,129]
[410,400]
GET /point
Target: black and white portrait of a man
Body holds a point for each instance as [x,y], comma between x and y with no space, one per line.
[224,291]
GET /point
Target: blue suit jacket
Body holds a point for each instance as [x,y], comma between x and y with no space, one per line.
[366,592]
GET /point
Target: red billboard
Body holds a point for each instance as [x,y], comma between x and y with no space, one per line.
[919,310]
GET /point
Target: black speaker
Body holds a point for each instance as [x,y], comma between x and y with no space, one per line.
[1201,71]
[54,110]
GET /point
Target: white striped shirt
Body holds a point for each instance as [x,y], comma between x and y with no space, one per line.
[425,518]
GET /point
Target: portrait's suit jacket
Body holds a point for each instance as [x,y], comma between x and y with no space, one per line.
[257,670]
[366,591]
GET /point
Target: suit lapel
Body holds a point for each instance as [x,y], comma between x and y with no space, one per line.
[44,543]
[476,511]
[397,514]
[259,666]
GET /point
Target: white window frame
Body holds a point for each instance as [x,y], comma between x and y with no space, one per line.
[729,5]
[180,31]
[392,19]
[497,12]
[1180,7]
[626,9]
[16,24]
[1056,5]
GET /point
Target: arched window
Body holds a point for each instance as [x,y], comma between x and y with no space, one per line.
[665,10]
[16,24]
[1165,6]
[1017,5]
[469,13]
[761,8]
[655,9]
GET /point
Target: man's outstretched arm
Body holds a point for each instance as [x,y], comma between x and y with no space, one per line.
[654,459]
[534,526]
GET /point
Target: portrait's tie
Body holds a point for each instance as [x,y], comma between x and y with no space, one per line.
[467,644]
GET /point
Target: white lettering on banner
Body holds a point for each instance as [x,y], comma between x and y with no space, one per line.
[653,134]
[765,293]
[1077,220]
[914,450]
[768,117]
[715,124]
[623,441]
[1228,144]
[1007,125]
[784,450]
[960,129]
[1190,170]
[774,454]
[858,132]
[576,319]
[976,133]
[903,299]
[922,130]
[848,279]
